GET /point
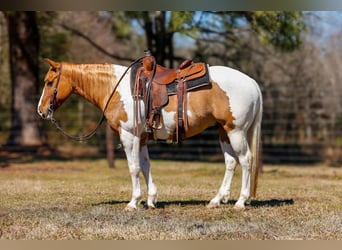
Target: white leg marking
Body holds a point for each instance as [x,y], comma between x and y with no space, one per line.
[239,143]
[151,187]
[131,145]
[230,162]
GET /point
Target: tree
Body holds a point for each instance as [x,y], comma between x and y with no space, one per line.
[282,29]
[5,87]
[24,48]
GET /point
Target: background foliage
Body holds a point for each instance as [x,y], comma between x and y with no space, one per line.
[296,69]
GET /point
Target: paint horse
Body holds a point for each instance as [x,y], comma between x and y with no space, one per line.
[233,102]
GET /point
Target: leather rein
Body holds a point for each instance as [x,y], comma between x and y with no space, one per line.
[93,132]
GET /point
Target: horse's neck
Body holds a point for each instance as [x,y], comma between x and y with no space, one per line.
[95,82]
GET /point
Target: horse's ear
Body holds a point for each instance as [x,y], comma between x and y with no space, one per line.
[52,63]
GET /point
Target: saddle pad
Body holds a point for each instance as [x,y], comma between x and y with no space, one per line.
[166,76]
[191,84]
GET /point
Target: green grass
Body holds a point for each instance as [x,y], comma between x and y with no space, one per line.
[86,200]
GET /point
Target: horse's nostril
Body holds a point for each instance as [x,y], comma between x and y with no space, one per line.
[41,113]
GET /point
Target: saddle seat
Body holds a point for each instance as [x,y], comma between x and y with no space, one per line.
[186,71]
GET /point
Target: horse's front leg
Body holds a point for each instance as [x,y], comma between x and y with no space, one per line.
[131,145]
[151,187]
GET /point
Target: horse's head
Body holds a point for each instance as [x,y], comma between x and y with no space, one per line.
[56,90]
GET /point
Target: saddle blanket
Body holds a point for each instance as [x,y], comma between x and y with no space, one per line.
[172,87]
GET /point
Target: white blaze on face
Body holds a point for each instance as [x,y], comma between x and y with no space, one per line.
[39,104]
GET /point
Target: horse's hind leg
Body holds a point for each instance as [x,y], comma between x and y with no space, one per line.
[241,148]
[230,162]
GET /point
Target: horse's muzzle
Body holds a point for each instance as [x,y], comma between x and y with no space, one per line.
[44,115]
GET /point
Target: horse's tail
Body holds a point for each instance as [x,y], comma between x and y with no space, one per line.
[254,139]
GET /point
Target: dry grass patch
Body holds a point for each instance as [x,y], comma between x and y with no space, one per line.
[85,200]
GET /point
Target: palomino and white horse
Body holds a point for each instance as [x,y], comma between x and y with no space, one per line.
[233,101]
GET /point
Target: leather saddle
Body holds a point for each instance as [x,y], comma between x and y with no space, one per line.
[188,76]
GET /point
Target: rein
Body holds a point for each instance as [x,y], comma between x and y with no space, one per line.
[91,133]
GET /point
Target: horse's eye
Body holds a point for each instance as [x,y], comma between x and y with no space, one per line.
[49,83]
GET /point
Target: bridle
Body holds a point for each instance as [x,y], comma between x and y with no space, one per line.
[54,95]
[91,133]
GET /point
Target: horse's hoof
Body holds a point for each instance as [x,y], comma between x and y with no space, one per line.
[239,208]
[212,205]
[225,200]
[130,208]
[149,206]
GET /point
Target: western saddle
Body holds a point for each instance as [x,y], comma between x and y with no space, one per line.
[154,84]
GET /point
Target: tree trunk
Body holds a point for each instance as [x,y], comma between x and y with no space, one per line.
[24,48]
[160,34]
[148,26]
[159,40]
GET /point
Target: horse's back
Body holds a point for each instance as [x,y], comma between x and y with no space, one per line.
[243,93]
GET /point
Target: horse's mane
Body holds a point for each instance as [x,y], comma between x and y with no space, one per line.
[91,80]
[89,73]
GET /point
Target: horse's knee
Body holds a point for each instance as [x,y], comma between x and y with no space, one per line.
[245,160]
[229,156]
[134,170]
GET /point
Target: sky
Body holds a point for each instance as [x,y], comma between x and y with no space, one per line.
[325,23]
[329,22]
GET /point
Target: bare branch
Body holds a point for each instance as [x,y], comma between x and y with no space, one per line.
[95,45]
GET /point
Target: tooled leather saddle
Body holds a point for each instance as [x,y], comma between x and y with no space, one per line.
[154,84]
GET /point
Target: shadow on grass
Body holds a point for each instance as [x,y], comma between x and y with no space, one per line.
[110,203]
[253,203]
[271,203]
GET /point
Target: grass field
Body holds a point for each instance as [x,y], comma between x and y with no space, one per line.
[84,199]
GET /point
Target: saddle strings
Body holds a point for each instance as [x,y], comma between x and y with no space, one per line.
[145,93]
[91,133]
